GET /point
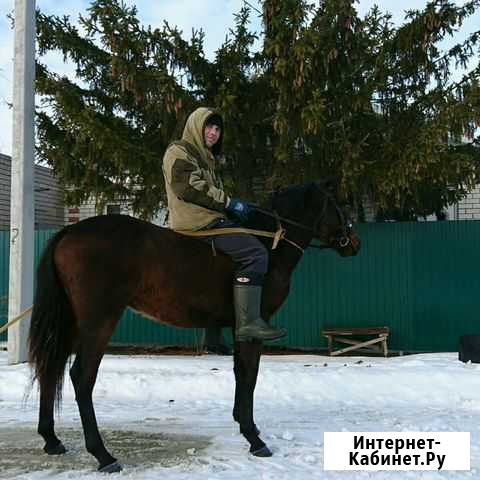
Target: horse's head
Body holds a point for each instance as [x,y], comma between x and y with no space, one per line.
[316,208]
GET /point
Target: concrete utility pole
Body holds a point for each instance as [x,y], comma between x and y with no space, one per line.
[22,201]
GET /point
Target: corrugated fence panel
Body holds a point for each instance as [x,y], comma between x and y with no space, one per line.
[420,279]
[41,240]
[135,329]
[371,289]
[446,281]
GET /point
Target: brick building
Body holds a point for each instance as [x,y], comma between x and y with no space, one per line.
[49,209]
[468,208]
[90,209]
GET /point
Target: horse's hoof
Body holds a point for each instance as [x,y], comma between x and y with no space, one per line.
[262,452]
[112,468]
[58,449]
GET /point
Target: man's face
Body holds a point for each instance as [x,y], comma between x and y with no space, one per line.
[211,134]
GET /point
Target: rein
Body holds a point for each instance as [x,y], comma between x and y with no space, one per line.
[278,235]
[16,319]
[346,225]
[295,224]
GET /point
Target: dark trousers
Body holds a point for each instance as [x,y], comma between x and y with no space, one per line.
[247,252]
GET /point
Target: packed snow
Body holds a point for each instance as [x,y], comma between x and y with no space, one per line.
[170,417]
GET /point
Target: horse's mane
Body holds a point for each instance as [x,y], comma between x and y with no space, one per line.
[294,193]
[292,196]
[287,202]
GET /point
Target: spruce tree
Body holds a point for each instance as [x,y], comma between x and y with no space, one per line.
[329,93]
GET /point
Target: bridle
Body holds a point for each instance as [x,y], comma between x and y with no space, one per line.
[341,240]
[346,224]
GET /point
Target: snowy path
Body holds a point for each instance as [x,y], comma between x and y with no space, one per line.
[194,436]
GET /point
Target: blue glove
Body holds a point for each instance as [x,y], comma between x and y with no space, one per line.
[238,209]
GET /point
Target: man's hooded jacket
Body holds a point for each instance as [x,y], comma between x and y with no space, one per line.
[194,192]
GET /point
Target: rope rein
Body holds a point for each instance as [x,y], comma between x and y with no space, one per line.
[278,235]
[16,319]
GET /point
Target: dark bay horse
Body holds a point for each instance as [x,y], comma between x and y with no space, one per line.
[92,271]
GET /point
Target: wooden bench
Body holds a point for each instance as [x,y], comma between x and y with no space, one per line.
[350,336]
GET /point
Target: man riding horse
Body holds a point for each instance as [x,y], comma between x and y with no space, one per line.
[89,274]
[197,201]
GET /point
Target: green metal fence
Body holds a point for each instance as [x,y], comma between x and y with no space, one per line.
[420,279]
[41,239]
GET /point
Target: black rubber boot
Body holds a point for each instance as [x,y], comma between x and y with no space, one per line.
[213,341]
[249,324]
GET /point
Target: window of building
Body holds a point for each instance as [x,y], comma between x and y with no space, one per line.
[113,209]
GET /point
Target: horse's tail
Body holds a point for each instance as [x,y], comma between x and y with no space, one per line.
[50,339]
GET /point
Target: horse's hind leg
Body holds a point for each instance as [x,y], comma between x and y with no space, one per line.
[53,446]
[83,374]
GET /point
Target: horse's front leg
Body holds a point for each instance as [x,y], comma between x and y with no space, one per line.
[246,362]
[239,389]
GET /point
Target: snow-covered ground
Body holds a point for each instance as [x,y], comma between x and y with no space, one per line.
[170,417]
